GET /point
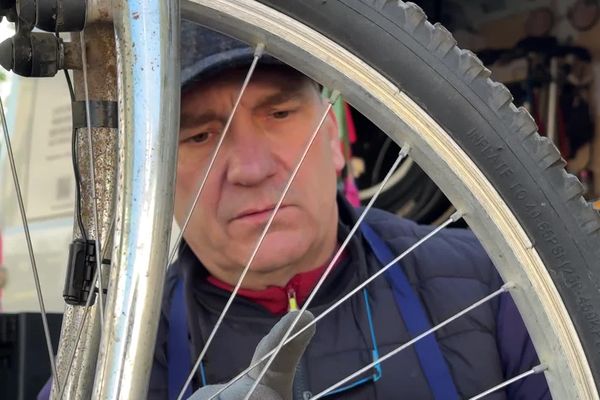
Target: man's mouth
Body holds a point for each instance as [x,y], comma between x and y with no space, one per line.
[257,213]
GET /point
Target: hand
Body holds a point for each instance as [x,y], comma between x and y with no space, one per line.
[278,381]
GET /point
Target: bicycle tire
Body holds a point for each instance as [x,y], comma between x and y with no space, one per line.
[464,73]
[526,170]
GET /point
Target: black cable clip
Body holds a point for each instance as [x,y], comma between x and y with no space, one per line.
[79,283]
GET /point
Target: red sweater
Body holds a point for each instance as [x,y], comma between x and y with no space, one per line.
[276,299]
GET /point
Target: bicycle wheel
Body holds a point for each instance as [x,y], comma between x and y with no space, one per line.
[490,162]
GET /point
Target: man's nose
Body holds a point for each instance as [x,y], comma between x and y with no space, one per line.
[250,156]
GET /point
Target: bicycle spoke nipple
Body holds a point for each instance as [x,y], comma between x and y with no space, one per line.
[539,368]
[260,49]
[404,150]
[456,216]
[334,96]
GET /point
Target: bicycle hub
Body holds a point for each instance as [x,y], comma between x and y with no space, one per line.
[52,15]
[40,54]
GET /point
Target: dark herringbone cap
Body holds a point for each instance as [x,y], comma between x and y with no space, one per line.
[205,52]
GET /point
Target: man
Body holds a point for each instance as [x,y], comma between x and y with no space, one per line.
[276,116]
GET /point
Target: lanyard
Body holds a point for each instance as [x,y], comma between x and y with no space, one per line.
[430,356]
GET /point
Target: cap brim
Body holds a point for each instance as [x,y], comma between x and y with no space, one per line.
[217,63]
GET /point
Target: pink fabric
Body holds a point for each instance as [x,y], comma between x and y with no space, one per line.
[351,191]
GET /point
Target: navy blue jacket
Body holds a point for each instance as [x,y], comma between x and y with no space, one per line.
[449,272]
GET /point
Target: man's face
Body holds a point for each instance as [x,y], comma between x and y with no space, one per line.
[277,115]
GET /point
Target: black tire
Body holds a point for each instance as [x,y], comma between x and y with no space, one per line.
[430,68]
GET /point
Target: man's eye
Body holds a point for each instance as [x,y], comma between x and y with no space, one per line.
[198,138]
[280,114]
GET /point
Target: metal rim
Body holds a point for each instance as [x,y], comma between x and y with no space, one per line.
[537,298]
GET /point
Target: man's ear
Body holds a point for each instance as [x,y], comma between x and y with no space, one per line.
[334,141]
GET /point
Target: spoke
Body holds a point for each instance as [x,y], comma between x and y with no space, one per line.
[535,370]
[258,52]
[92,175]
[331,100]
[403,153]
[88,303]
[392,353]
[34,270]
[454,218]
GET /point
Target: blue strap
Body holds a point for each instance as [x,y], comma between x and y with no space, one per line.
[178,352]
[412,312]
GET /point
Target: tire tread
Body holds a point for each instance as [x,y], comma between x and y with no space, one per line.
[409,16]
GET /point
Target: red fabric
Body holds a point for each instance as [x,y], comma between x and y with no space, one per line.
[275,298]
[352,137]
